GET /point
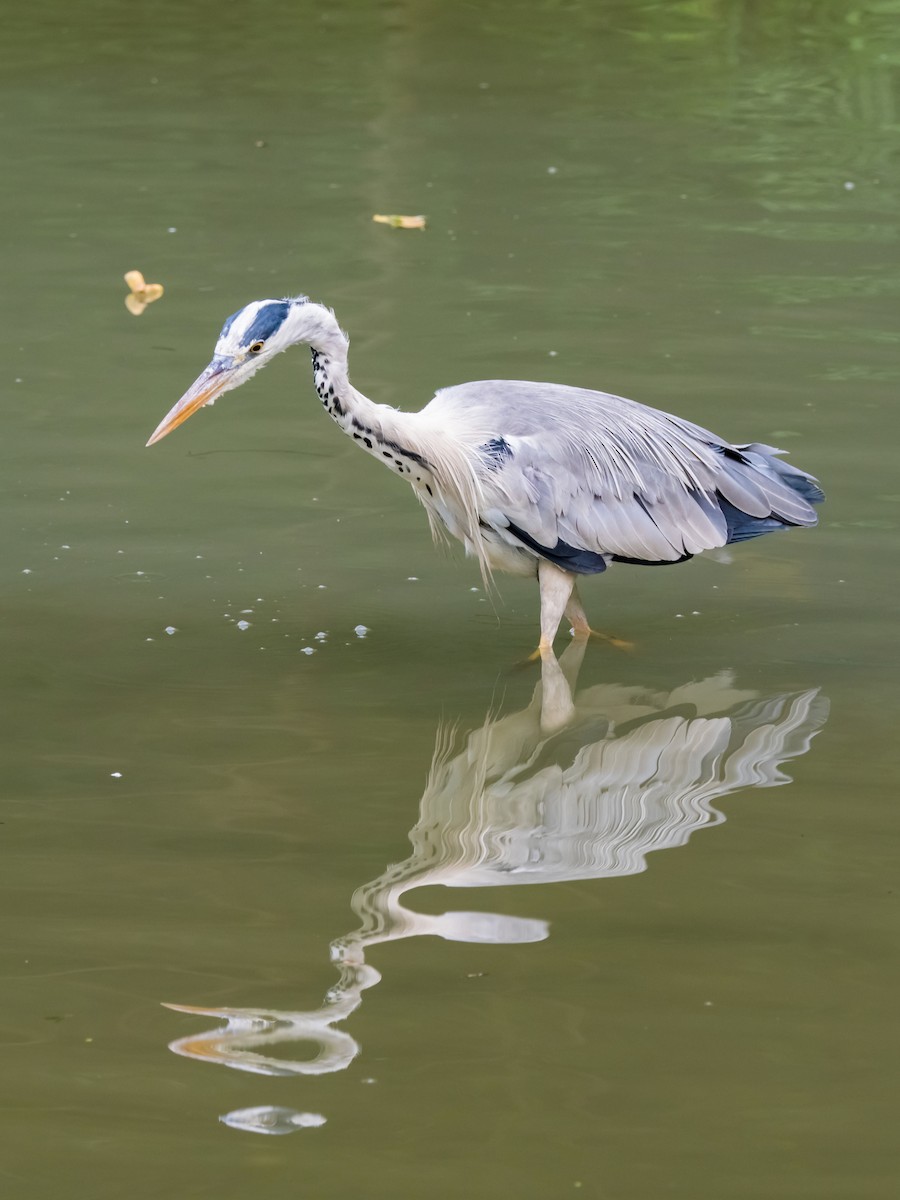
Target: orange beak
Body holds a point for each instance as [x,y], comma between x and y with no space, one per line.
[214,380]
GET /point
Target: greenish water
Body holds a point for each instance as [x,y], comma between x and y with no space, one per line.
[691,204]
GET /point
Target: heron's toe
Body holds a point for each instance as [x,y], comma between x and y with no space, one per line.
[609,638]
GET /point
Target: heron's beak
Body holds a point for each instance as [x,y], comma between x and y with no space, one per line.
[218,376]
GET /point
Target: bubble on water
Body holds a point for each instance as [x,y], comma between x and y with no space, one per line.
[321,636]
[170,629]
[243,624]
[360,630]
[115,774]
[307,650]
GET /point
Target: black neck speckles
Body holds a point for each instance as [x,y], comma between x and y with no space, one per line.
[342,412]
[324,383]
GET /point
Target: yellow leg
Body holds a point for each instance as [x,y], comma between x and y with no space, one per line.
[557,587]
[559,597]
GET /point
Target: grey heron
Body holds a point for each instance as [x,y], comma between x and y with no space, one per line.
[537,479]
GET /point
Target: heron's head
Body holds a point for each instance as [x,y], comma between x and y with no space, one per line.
[249,339]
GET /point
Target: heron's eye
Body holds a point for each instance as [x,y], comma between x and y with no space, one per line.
[256,347]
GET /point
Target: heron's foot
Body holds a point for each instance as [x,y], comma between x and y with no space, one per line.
[609,638]
[544,650]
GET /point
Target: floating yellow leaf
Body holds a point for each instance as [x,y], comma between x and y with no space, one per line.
[142,293]
[397,222]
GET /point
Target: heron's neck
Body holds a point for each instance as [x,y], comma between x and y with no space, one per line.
[382,431]
[439,463]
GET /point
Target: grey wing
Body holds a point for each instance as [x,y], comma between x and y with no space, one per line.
[583,477]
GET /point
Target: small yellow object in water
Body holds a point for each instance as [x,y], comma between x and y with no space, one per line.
[397,222]
[142,293]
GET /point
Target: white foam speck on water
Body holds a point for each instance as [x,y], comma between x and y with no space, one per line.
[115,774]
[307,649]
[170,629]
[243,624]
[321,636]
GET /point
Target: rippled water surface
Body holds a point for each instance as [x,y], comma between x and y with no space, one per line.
[443,923]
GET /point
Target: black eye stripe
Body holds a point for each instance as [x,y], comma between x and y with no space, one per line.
[267,320]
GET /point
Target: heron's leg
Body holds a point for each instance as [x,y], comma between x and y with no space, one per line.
[581,626]
[556,590]
[576,614]
[571,659]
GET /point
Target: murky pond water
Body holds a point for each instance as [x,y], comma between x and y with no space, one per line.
[210,837]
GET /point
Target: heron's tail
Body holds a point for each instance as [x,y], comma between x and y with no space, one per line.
[789,491]
[801,482]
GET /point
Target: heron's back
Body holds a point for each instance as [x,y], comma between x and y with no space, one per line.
[583,477]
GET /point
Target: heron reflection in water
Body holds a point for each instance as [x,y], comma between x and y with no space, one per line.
[575,786]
